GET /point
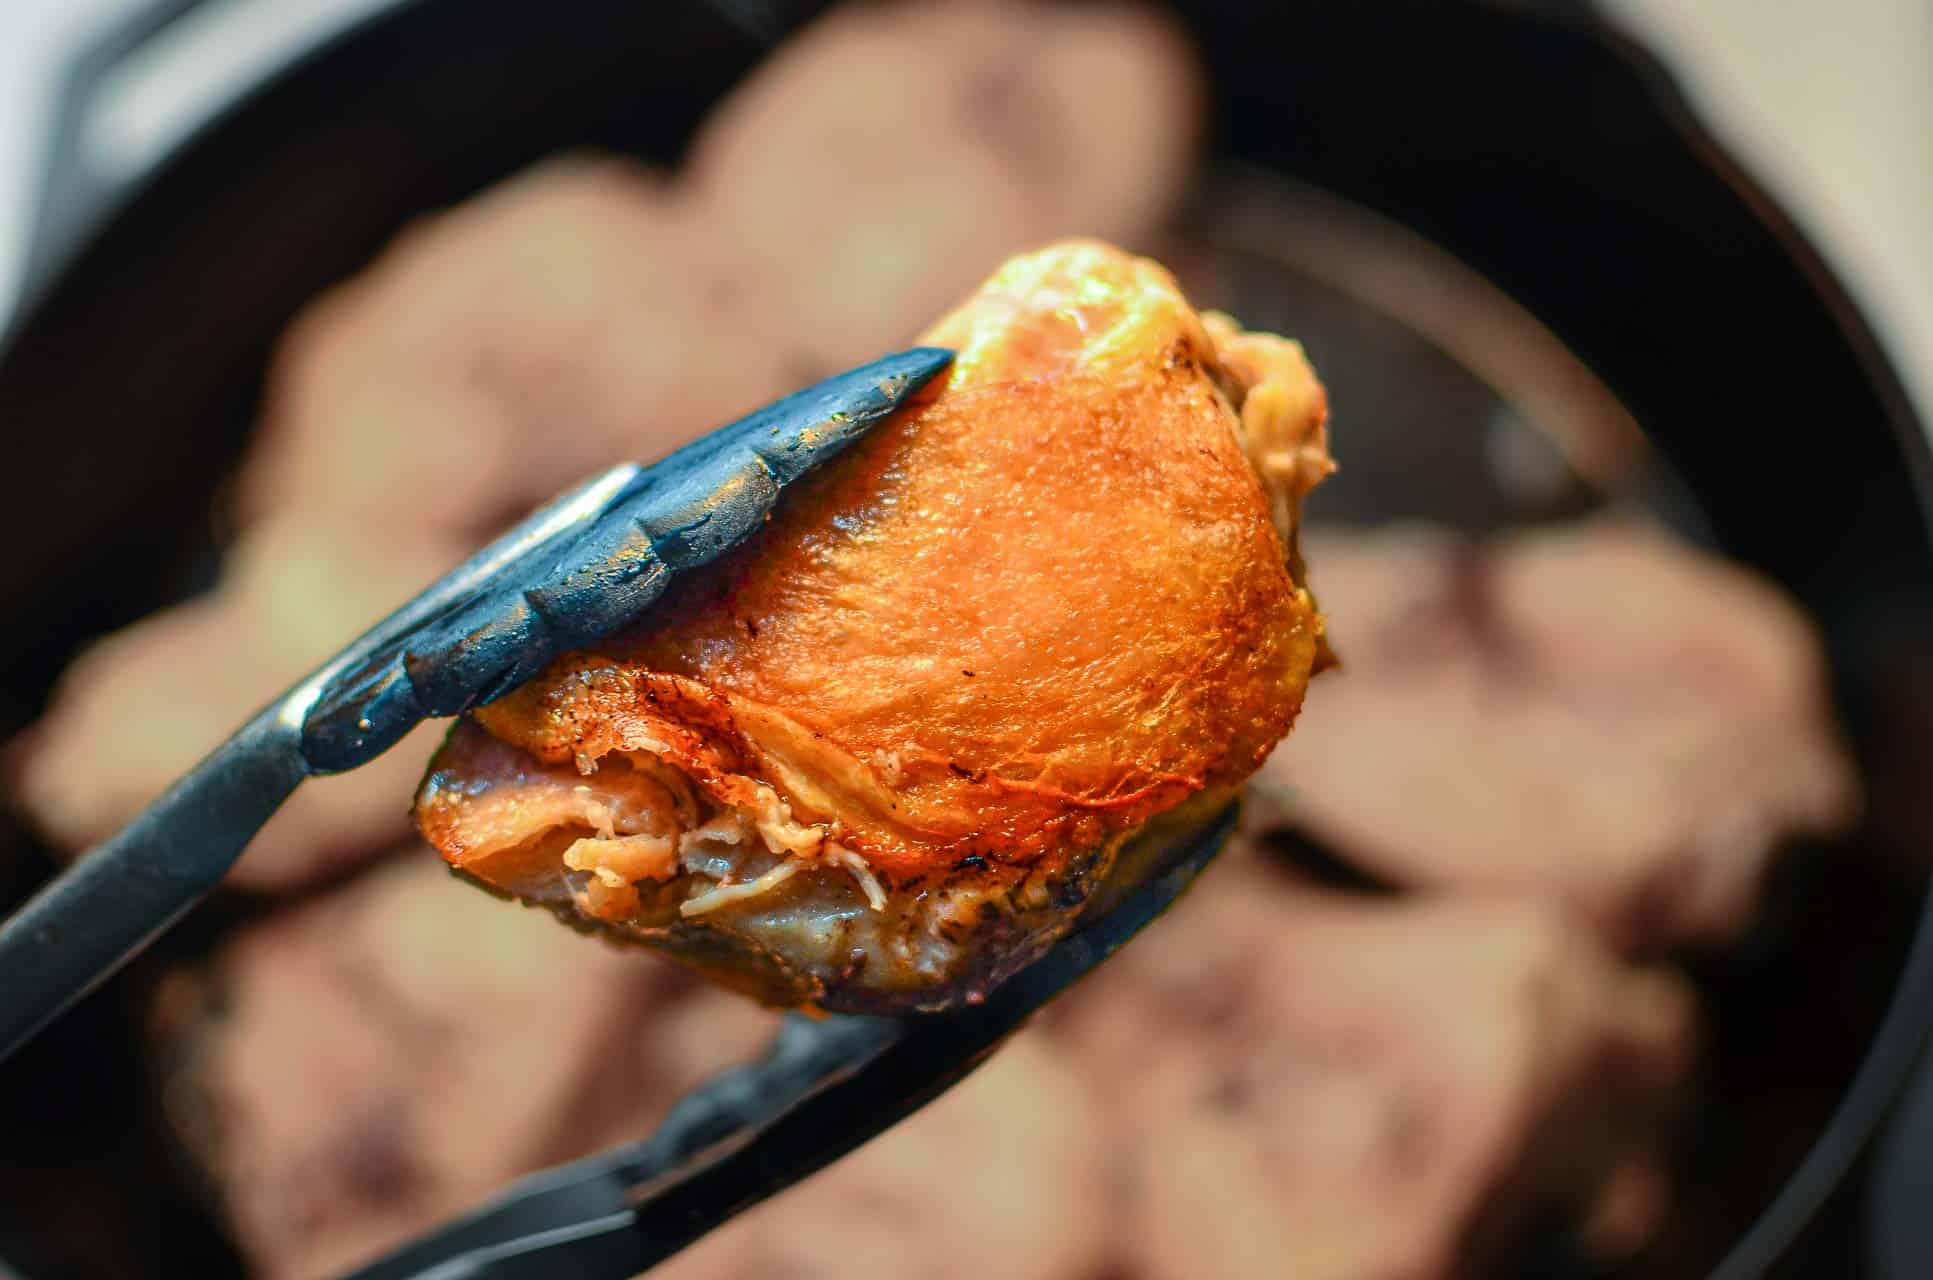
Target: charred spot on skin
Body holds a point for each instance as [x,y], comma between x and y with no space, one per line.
[1070,892]
[854,966]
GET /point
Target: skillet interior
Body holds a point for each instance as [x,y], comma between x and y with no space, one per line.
[1632,240]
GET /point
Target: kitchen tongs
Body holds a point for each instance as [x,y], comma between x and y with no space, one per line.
[574,572]
[578,570]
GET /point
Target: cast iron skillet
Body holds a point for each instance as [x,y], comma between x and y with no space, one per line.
[1540,149]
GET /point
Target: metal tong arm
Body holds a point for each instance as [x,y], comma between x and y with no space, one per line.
[112,903]
[579,569]
[124,893]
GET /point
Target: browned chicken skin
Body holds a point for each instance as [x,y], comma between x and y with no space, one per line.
[881,753]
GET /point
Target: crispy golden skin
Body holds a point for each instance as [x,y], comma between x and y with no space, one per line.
[959,667]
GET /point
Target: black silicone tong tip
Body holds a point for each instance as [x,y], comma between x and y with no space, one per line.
[590,564]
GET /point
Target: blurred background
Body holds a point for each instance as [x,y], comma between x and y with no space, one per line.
[1835,116]
[1675,813]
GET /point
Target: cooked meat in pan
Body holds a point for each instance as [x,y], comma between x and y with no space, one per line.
[880,755]
[362,1065]
[1334,1087]
[1597,713]
[1007,1175]
[1274,1080]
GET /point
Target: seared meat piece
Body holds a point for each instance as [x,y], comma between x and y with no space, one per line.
[881,753]
[1598,714]
[379,1058]
[892,155]
[590,311]
[833,204]
[1338,1088]
[1275,1080]
[142,706]
[362,1066]
[1008,1175]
